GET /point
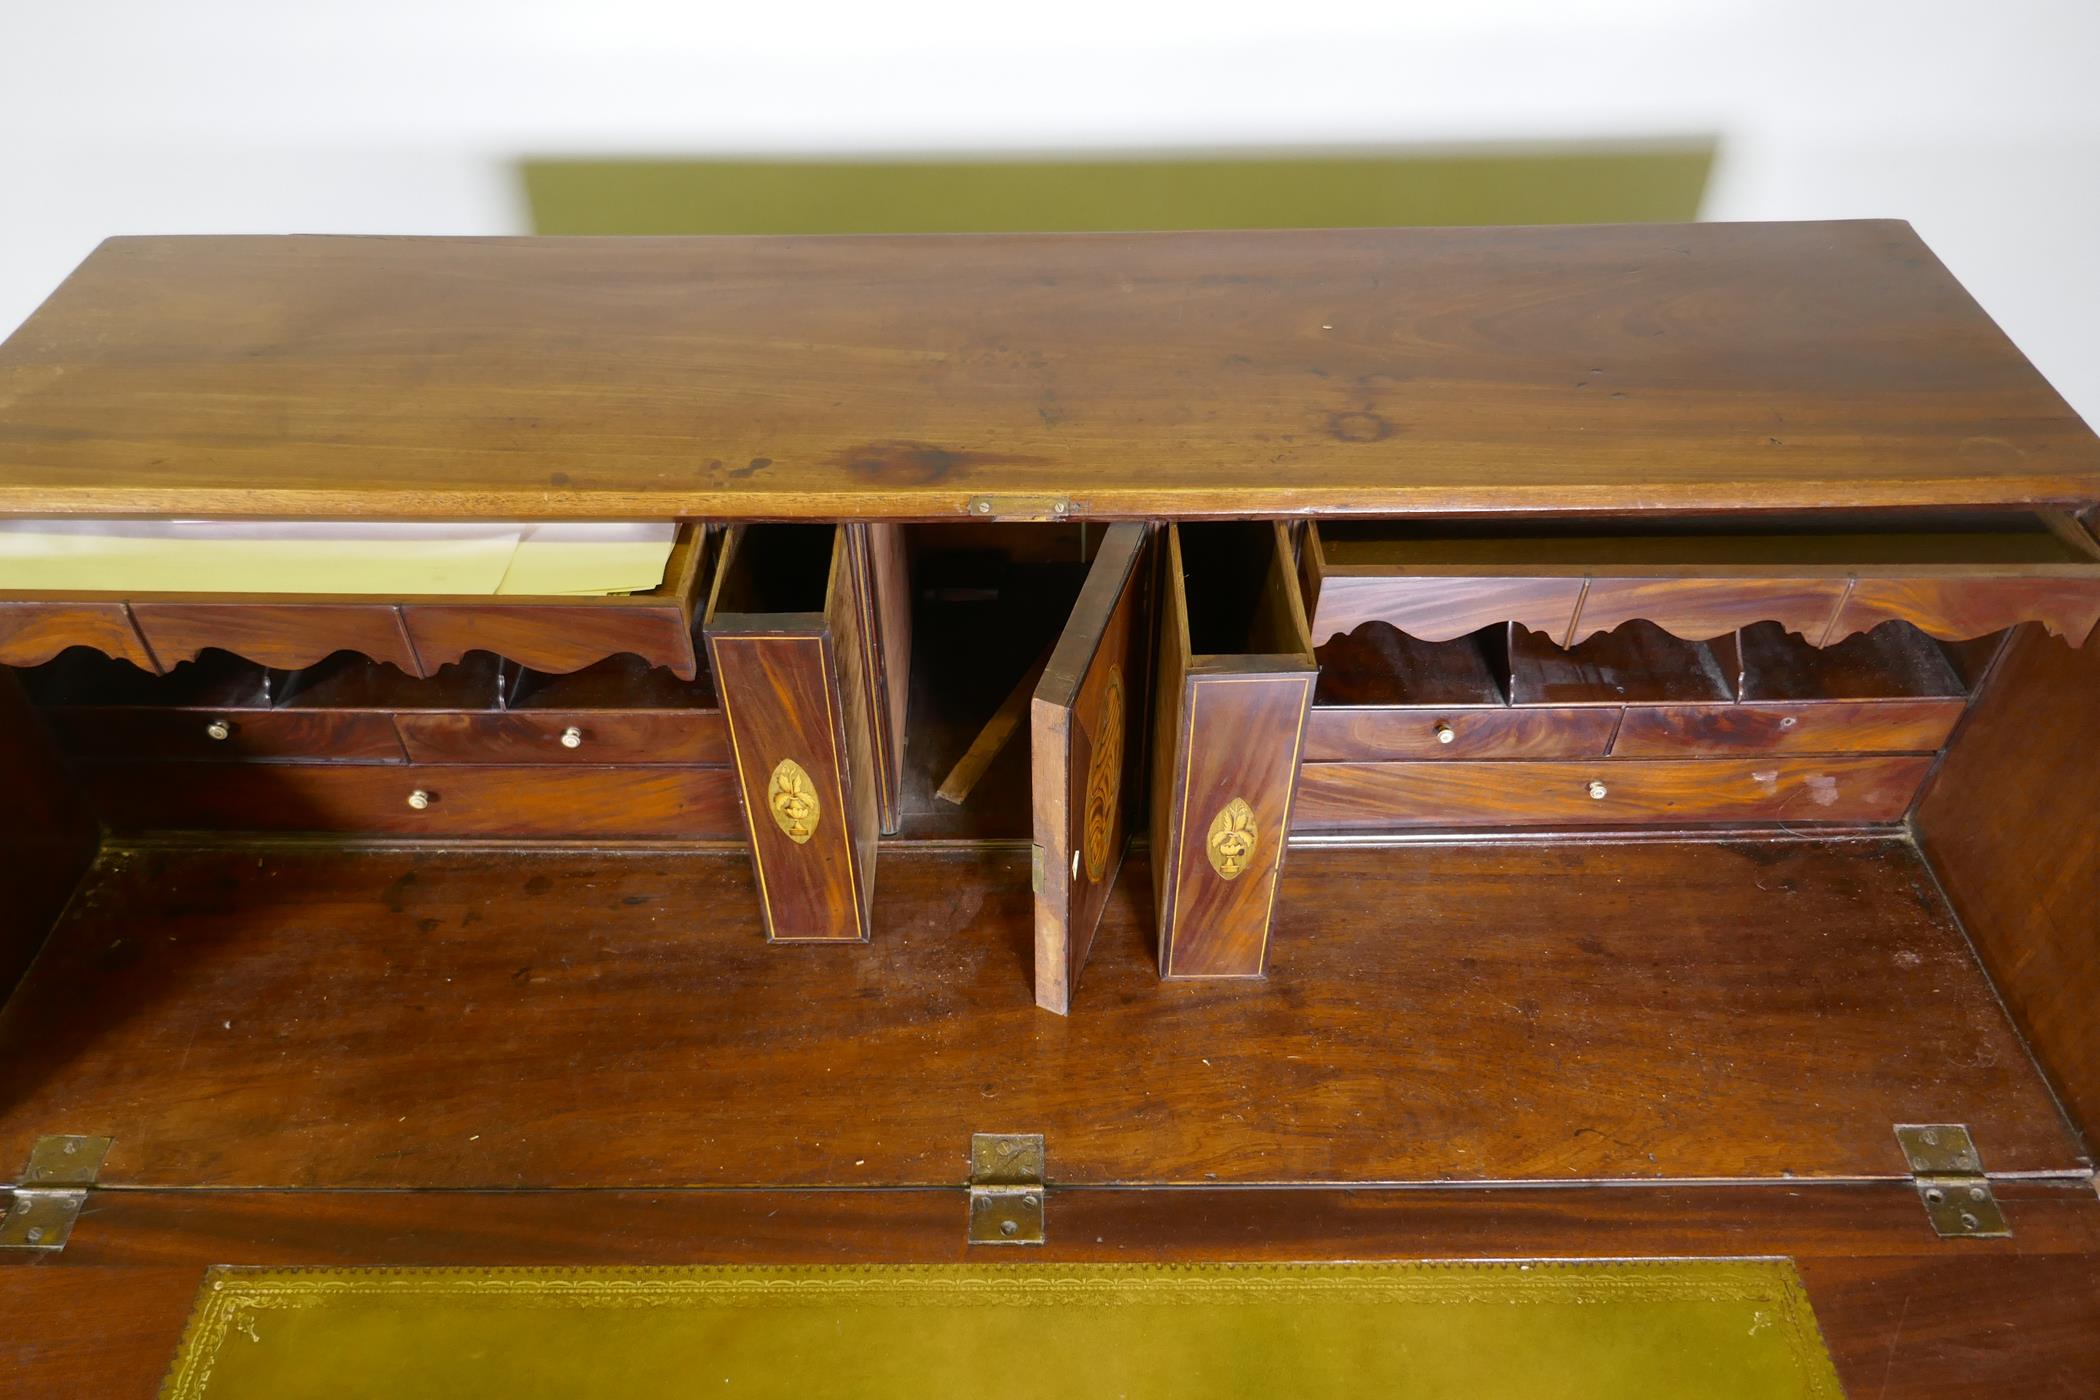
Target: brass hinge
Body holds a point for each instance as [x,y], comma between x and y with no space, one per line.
[1948,1172]
[42,1207]
[1020,507]
[1006,1188]
[1035,867]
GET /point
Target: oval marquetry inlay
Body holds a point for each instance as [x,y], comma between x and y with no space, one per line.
[1233,838]
[792,799]
[1104,779]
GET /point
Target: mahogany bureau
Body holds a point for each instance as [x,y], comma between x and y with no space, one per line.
[1652,616]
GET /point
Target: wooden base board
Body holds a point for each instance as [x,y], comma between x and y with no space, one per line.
[286,1017]
[1904,1313]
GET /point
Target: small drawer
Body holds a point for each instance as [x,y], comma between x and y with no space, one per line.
[480,802]
[1344,733]
[1836,726]
[313,735]
[1334,797]
[680,737]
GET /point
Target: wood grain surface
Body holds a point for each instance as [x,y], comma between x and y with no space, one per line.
[1827,726]
[525,803]
[284,635]
[381,1018]
[1642,366]
[33,633]
[2011,824]
[1848,788]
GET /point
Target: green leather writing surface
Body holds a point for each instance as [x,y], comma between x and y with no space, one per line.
[1546,1331]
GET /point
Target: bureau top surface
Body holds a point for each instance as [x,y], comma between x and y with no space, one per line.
[1686,367]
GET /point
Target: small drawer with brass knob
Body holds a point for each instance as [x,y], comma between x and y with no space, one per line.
[1381,733]
[685,737]
[287,735]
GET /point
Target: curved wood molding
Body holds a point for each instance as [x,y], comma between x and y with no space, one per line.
[287,636]
[554,637]
[33,633]
[1950,607]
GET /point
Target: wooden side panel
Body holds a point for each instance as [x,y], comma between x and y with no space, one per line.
[1236,755]
[1696,608]
[1393,796]
[847,606]
[1958,608]
[284,635]
[558,637]
[33,633]
[1171,662]
[1835,726]
[45,833]
[2011,824]
[1435,609]
[1086,751]
[1373,733]
[780,695]
[884,576]
[373,799]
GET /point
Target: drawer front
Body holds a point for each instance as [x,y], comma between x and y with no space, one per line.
[345,736]
[682,737]
[1391,796]
[542,802]
[1344,733]
[1835,726]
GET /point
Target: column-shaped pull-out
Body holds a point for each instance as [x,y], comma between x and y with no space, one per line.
[1086,754]
[1235,678]
[787,637]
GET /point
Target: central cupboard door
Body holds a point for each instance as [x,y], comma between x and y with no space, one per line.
[1086,756]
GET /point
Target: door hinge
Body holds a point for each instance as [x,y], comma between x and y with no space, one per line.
[1006,1188]
[1948,1172]
[1020,507]
[1035,867]
[42,1207]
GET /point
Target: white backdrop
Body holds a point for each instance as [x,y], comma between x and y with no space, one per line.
[1979,123]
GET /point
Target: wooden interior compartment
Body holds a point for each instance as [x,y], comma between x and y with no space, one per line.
[419,635]
[1825,575]
[619,710]
[1383,695]
[1889,690]
[989,602]
[1637,663]
[218,707]
[785,626]
[1233,683]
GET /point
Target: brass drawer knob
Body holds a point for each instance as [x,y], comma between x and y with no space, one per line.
[1597,790]
[572,738]
[1444,732]
[218,729]
[419,799]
